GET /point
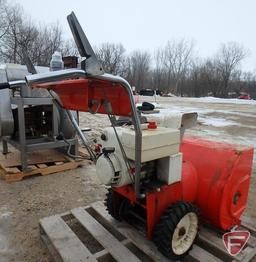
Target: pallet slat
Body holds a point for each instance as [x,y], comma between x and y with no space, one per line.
[252,240]
[12,170]
[42,165]
[145,245]
[202,255]
[211,239]
[69,247]
[12,159]
[115,248]
[42,162]
[246,255]
[58,163]
[14,174]
[60,168]
[100,253]
[133,246]
[249,224]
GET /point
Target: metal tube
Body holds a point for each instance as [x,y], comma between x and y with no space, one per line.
[22,136]
[73,73]
[17,83]
[25,90]
[55,76]
[80,134]
[137,128]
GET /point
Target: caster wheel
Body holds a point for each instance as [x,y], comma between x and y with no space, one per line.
[176,231]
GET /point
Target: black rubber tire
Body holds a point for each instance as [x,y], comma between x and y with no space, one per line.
[117,206]
[112,205]
[164,230]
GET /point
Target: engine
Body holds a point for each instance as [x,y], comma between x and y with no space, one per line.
[160,155]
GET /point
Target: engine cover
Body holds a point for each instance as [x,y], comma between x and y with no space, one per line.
[108,169]
[110,140]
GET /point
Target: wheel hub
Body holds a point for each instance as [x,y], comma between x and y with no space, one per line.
[185,233]
[182,232]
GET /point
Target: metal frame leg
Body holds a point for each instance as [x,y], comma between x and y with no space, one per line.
[74,148]
[22,136]
[5,146]
[55,124]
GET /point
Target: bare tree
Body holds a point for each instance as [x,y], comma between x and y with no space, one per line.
[158,73]
[228,60]
[249,80]
[50,39]
[69,48]
[112,57]
[177,59]
[138,69]
[9,41]
[3,19]
[196,76]
[23,35]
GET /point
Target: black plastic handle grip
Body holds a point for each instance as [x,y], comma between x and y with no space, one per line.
[4,85]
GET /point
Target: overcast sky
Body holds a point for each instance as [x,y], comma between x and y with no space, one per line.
[148,24]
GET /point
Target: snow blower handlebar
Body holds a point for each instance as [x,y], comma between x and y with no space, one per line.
[105,86]
[93,85]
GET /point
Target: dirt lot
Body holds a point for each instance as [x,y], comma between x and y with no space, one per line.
[23,203]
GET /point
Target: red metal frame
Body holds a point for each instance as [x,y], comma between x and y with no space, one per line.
[156,203]
[212,175]
[78,94]
[215,176]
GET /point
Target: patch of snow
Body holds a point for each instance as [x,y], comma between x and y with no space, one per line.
[166,109]
[206,120]
[237,113]
[184,108]
[218,122]
[210,99]
[5,215]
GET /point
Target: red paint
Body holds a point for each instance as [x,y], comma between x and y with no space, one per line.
[212,174]
[215,176]
[224,173]
[189,182]
[245,96]
[157,202]
[152,125]
[73,94]
[79,94]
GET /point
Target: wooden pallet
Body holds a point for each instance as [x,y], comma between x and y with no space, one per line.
[91,234]
[43,163]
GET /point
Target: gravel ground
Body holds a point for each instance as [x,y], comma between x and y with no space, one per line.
[23,203]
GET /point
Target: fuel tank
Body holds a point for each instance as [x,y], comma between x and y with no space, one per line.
[223,175]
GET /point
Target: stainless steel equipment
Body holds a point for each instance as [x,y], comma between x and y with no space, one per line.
[30,119]
[6,117]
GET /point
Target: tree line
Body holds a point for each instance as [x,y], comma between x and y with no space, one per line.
[173,68]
